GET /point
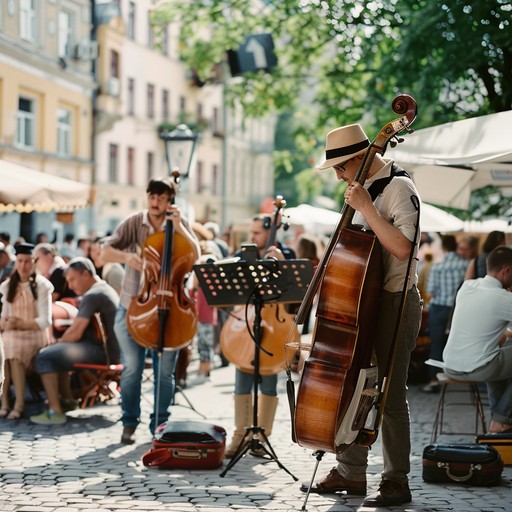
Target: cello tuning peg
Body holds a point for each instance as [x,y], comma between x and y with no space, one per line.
[392,143]
[399,139]
[410,130]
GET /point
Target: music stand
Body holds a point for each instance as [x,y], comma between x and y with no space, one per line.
[241,282]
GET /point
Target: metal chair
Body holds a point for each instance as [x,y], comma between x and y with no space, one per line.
[458,387]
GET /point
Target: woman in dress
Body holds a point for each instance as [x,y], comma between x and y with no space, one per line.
[24,322]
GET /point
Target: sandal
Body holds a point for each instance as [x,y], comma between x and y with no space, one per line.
[15,414]
[4,412]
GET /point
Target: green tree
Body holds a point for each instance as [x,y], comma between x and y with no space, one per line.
[342,61]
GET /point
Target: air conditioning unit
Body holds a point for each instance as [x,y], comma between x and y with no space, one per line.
[86,50]
[114,86]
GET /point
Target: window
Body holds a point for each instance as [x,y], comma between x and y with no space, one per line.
[25,123]
[183,105]
[215,179]
[216,125]
[151,101]
[114,64]
[131,97]
[165,40]
[131,21]
[65,30]
[151,32]
[113,163]
[28,20]
[131,166]
[63,131]
[150,161]
[166,114]
[199,181]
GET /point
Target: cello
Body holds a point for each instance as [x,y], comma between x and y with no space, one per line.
[338,385]
[236,341]
[162,315]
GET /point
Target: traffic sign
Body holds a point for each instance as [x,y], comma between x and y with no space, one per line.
[256,53]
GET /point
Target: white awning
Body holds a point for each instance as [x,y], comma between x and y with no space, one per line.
[449,161]
[25,190]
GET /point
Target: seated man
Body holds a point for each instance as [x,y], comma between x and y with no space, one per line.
[79,343]
[477,347]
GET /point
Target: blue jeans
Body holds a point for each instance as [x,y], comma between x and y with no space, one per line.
[244,383]
[133,357]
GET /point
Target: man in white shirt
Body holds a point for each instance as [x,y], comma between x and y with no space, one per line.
[479,346]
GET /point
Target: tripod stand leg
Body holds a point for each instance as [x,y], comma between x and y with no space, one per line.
[243,447]
[319,455]
[267,448]
[179,389]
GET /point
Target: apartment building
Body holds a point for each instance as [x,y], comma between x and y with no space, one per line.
[86,88]
[144,87]
[46,88]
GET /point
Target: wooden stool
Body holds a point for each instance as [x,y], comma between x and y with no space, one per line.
[476,401]
[101,382]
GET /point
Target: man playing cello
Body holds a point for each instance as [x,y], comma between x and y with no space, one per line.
[393,218]
[124,246]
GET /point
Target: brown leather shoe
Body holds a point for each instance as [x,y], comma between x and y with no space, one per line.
[127,435]
[390,494]
[334,482]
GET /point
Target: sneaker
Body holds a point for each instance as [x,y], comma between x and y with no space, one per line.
[390,494]
[68,405]
[49,417]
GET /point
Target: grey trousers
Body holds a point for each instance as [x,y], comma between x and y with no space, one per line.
[395,430]
[498,376]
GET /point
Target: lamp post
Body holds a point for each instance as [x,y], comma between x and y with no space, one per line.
[180,149]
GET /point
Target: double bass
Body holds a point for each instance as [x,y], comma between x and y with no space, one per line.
[338,385]
[235,340]
[163,315]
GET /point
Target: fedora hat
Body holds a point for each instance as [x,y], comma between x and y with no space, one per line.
[342,144]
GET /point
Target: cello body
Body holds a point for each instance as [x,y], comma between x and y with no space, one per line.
[238,347]
[343,339]
[143,317]
[277,326]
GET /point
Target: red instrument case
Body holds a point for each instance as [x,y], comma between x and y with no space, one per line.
[187,445]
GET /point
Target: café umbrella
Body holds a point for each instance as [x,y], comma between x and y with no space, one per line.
[26,190]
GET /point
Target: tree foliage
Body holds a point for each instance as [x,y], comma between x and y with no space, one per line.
[343,61]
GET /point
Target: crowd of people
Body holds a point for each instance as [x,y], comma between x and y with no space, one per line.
[464,291]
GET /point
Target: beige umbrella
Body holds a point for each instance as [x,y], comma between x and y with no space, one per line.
[25,190]
[449,161]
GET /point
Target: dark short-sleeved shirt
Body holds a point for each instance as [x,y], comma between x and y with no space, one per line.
[101,298]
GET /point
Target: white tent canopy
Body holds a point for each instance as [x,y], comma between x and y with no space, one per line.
[322,221]
[448,161]
[26,190]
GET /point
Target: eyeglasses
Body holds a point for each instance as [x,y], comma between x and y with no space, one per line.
[343,167]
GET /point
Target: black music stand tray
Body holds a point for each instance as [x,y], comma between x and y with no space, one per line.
[241,283]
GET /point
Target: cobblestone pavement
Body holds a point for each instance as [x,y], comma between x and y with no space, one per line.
[81,466]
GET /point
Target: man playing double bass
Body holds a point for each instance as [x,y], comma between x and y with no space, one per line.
[393,217]
[125,246]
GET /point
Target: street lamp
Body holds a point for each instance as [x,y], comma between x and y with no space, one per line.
[180,149]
